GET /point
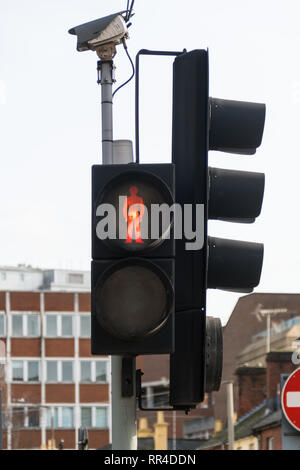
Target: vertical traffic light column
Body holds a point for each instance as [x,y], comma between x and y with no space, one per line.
[200,124]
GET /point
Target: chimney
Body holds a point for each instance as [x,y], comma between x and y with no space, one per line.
[277,363]
[251,388]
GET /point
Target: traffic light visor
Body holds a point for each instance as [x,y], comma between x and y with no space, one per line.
[234,265]
[235,196]
[235,126]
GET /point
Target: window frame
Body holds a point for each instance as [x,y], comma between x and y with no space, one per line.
[93,371]
[60,370]
[25,316]
[59,316]
[93,415]
[270,443]
[25,370]
[84,315]
[59,409]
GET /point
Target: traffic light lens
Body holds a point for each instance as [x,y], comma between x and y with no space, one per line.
[136,198]
[133,299]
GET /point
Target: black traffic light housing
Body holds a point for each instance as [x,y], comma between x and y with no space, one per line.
[132,275]
[201,124]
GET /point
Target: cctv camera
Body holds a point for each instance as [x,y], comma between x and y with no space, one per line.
[109,30]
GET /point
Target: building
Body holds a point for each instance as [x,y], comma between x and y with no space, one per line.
[26,278]
[28,334]
[244,339]
[52,385]
[258,423]
[244,336]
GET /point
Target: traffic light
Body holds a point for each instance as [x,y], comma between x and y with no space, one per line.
[200,124]
[133,259]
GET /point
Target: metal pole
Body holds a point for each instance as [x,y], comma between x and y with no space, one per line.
[1,438]
[268,332]
[106,68]
[230,415]
[52,429]
[174,430]
[124,424]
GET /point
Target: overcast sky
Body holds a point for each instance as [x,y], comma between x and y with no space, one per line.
[50,120]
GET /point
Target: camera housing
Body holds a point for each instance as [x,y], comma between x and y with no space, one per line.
[111,30]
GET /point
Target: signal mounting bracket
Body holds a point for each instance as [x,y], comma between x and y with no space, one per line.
[139,375]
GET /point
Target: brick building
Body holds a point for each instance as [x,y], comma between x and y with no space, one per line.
[258,423]
[51,384]
[245,329]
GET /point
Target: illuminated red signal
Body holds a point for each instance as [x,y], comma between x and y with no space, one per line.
[133,212]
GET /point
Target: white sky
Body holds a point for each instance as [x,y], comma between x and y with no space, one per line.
[50,120]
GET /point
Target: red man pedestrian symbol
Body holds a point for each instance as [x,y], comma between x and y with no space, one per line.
[133,212]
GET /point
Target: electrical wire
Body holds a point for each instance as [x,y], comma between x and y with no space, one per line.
[133,71]
[129,10]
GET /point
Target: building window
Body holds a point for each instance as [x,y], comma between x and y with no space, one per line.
[93,371]
[86,417]
[33,325]
[86,371]
[101,371]
[17,371]
[2,325]
[17,325]
[59,326]
[18,417]
[270,443]
[51,325]
[25,417]
[59,371]
[66,326]
[60,417]
[75,278]
[101,417]
[33,371]
[52,417]
[25,371]
[26,325]
[67,417]
[33,415]
[67,371]
[52,371]
[3,276]
[22,277]
[85,326]
[94,417]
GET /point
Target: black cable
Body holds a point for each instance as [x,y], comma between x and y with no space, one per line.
[130,9]
[127,11]
[133,71]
